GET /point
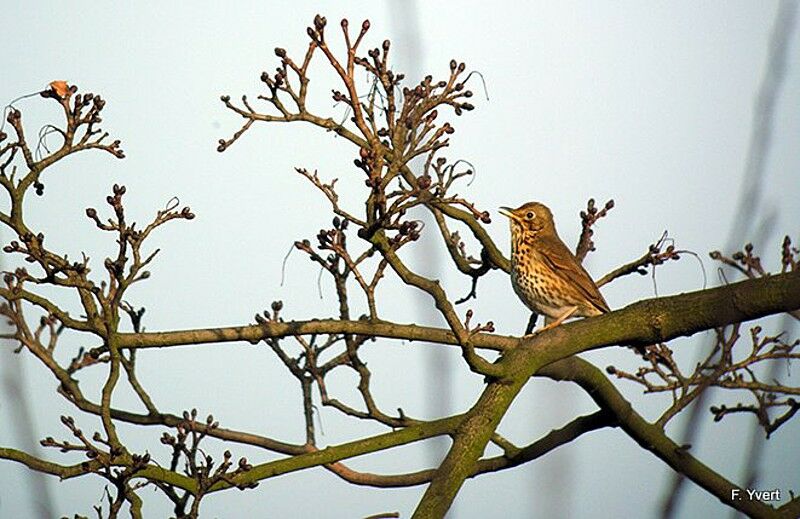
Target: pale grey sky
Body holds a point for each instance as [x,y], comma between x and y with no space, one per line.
[648,103]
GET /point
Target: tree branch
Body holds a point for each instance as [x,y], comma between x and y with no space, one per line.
[645,322]
[549,442]
[652,437]
[276,329]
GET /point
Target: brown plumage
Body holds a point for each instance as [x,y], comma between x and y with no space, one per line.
[544,273]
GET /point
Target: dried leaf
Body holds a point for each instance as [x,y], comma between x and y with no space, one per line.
[61,88]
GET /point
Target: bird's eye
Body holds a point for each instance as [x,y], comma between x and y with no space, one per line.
[530,215]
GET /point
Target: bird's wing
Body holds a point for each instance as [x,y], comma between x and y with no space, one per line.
[565,265]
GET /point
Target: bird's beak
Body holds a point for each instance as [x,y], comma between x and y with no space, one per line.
[507,211]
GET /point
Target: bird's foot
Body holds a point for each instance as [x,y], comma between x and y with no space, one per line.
[540,330]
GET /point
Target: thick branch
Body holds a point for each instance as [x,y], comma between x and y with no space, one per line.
[646,322]
[666,318]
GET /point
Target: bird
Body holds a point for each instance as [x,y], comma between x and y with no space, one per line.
[545,274]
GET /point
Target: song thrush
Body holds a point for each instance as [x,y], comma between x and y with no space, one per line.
[544,273]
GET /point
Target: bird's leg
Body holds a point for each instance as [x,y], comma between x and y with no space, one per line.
[560,319]
[531,323]
[552,324]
